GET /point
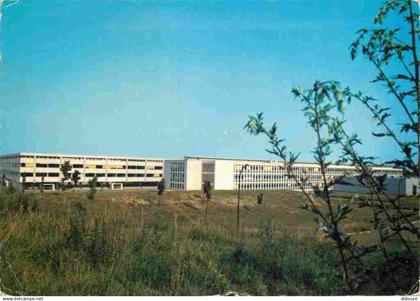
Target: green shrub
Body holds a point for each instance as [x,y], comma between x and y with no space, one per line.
[173,264]
[283,265]
[17,203]
[93,184]
[89,251]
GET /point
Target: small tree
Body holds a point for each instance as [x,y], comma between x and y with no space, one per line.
[161,189]
[23,182]
[10,188]
[65,170]
[260,198]
[42,183]
[207,194]
[76,178]
[93,183]
[3,181]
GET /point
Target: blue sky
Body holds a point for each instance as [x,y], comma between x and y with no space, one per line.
[174,78]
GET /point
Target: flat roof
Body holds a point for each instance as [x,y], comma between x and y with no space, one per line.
[79,155]
[185,157]
[279,161]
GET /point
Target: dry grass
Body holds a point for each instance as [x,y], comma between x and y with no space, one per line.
[169,250]
[283,206]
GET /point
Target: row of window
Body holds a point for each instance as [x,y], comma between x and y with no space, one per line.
[9,165]
[177,166]
[91,175]
[208,167]
[177,177]
[77,158]
[279,168]
[40,174]
[40,165]
[178,186]
[282,167]
[53,165]
[5,158]
[270,177]
[9,173]
[267,175]
[273,186]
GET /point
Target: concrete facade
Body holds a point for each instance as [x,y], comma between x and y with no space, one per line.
[35,169]
[193,168]
[397,185]
[224,179]
[190,173]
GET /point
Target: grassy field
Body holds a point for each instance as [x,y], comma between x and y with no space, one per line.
[124,243]
[282,206]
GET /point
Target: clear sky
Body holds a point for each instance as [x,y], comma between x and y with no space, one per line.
[174,78]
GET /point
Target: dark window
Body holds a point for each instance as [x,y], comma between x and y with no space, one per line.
[99,166]
[53,174]
[111,175]
[135,167]
[158,167]
[22,165]
[41,165]
[208,167]
[53,165]
[121,175]
[100,175]
[78,165]
[27,174]
[149,184]
[41,174]
[150,175]
[90,175]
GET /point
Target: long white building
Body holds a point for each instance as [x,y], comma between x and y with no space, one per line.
[31,170]
[225,174]
[34,169]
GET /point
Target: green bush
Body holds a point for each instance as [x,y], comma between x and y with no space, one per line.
[282,265]
[85,250]
[12,203]
[173,263]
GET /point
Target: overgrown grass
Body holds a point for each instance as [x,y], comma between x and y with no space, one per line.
[56,244]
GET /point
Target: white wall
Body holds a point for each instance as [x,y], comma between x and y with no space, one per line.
[398,186]
[193,174]
[223,175]
[403,186]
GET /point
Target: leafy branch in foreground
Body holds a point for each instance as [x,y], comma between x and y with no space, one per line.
[321,103]
[383,204]
[317,108]
[393,52]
